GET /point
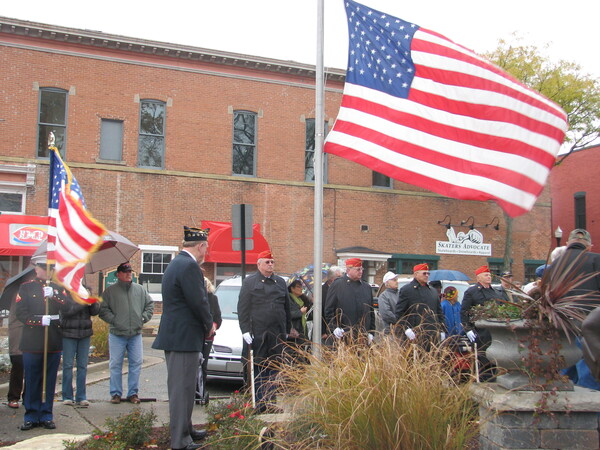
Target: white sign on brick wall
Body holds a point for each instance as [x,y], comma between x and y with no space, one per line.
[469,243]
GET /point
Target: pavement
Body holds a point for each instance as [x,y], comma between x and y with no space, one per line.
[73,423]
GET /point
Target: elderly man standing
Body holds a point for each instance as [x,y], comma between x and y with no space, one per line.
[126,307]
[419,306]
[506,280]
[333,273]
[388,300]
[478,294]
[265,321]
[185,323]
[349,304]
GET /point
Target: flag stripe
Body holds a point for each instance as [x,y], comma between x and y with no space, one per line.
[424,110]
[500,173]
[488,70]
[400,125]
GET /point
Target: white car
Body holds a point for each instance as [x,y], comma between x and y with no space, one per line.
[225,360]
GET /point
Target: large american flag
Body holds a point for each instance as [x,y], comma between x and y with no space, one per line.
[421,109]
[73,234]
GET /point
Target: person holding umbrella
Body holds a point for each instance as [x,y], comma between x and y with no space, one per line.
[38,306]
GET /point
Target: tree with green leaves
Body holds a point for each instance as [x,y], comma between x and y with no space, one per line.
[563,82]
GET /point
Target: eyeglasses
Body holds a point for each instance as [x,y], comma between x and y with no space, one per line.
[426,273]
[270,261]
[360,269]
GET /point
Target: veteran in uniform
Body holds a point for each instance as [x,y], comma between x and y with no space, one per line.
[31,310]
[185,323]
[265,321]
[479,294]
[419,306]
[349,304]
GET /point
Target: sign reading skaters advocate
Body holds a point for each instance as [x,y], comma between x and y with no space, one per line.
[469,243]
[27,235]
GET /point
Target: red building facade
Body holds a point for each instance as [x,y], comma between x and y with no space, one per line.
[575,198]
[160,136]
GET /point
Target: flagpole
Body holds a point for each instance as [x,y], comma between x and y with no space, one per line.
[318,169]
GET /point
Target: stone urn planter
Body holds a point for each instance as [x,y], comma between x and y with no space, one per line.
[506,352]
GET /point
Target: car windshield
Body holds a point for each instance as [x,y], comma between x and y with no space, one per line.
[228,300]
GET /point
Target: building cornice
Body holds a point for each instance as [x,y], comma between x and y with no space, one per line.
[100,40]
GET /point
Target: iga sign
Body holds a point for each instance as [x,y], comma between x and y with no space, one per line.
[469,243]
[27,235]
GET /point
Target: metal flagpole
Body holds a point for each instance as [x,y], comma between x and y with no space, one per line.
[318,169]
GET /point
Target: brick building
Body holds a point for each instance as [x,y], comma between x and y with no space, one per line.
[575,201]
[162,135]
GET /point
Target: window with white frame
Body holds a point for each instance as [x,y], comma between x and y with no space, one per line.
[52,117]
[151,143]
[309,152]
[155,260]
[12,200]
[244,143]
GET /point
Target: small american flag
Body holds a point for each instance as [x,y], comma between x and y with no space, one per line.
[73,234]
[421,109]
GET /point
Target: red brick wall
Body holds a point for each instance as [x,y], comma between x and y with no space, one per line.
[151,206]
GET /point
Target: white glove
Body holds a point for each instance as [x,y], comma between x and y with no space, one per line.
[338,333]
[410,334]
[370,336]
[248,338]
[46,320]
[48,291]
[471,335]
[442,335]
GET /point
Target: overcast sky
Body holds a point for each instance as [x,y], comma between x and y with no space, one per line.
[285,29]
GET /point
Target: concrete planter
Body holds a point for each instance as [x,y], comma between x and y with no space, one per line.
[508,356]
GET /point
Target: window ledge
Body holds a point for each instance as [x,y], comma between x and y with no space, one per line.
[110,161]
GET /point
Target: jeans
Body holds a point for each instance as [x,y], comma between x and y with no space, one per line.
[36,410]
[117,345]
[75,349]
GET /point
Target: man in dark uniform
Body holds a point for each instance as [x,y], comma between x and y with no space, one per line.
[185,322]
[31,310]
[479,294]
[264,316]
[349,304]
[419,306]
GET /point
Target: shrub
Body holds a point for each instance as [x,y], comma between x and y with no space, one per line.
[390,395]
[100,337]
[233,423]
[124,432]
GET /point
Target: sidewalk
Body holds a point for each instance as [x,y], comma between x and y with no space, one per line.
[79,423]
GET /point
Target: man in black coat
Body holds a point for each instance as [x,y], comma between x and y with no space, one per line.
[478,294]
[349,304]
[265,321]
[185,322]
[419,306]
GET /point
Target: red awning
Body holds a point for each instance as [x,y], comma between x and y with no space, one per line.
[219,244]
[21,235]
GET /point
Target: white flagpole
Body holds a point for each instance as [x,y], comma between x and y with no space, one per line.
[318,168]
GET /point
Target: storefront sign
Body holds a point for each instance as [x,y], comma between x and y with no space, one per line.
[469,243]
[27,235]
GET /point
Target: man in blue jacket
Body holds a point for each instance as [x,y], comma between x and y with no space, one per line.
[185,323]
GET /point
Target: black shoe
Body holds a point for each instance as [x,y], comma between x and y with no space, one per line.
[198,435]
[28,426]
[191,446]
[49,425]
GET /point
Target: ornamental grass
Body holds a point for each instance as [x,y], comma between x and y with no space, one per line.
[390,395]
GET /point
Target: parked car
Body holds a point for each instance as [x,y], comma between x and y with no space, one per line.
[225,360]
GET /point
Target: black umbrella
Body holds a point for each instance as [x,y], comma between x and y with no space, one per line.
[11,288]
